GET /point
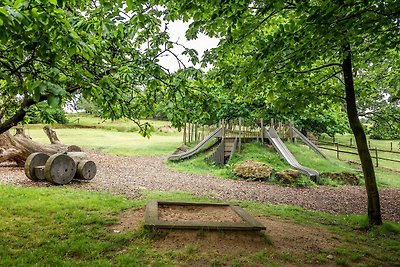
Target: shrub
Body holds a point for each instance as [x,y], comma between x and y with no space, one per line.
[253,170]
[288,176]
[342,177]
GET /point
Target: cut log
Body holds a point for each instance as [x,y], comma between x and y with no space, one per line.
[86,170]
[33,161]
[60,169]
[18,147]
[77,156]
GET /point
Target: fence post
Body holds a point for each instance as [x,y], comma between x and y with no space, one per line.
[262,131]
[240,134]
[391,146]
[184,134]
[369,144]
[351,141]
[376,157]
[337,150]
[189,133]
[333,139]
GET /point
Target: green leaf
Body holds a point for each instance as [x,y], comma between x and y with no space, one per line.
[53,2]
[53,100]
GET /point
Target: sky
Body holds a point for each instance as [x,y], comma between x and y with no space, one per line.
[177,31]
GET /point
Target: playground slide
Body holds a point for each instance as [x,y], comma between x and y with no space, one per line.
[216,133]
[309,143]
[287,155]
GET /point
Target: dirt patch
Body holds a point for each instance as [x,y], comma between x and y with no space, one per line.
[286,235]
[198,213]
[281,238]
[128,220]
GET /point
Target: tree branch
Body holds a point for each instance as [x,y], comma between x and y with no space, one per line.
[319,68]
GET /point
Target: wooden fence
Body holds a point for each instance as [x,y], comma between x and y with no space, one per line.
[374,151]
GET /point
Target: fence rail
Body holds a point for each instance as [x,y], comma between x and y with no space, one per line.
[355,147]
[375,156]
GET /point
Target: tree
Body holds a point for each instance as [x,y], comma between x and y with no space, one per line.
[301,51]
[105,52]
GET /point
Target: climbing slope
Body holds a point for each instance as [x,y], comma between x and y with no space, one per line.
[216,133]
[279,146]
[309,143]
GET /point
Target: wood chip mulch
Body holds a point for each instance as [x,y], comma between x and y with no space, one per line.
[131,176]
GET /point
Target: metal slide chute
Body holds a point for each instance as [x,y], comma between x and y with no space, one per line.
[309,143]
[279,146]
[216,133]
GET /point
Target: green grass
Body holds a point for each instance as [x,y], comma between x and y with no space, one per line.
[117,143]
[254,151]
[59,226]
[251,151]
[304,155]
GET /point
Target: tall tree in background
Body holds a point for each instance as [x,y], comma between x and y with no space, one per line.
[301,51]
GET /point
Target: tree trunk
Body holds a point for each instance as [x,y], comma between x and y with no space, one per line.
[374,209]
[18,147]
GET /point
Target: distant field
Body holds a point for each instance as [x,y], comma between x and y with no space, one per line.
[84,120]
[117,143]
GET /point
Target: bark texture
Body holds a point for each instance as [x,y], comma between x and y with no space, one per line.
[18,147]
[374,209]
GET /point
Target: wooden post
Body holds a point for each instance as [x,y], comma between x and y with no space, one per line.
[369,144]
[202,132]
[351,141]
[196,132]
[184,134]
[376,156]
[337,150]
[223,129]
[262,131]
[291,134]
[333,139]
[272,122]
[391,146]
[240,134]
[193,133]
[189,137]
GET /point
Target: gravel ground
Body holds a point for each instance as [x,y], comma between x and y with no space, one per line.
[132,175]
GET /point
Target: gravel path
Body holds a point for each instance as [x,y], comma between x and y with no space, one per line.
[132,175]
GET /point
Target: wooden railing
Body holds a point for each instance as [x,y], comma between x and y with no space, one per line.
[234,148]
[218,155]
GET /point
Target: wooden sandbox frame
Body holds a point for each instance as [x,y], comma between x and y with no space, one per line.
[152,218]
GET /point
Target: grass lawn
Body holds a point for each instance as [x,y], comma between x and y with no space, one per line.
[121,125]
[58,226]
[117,143]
